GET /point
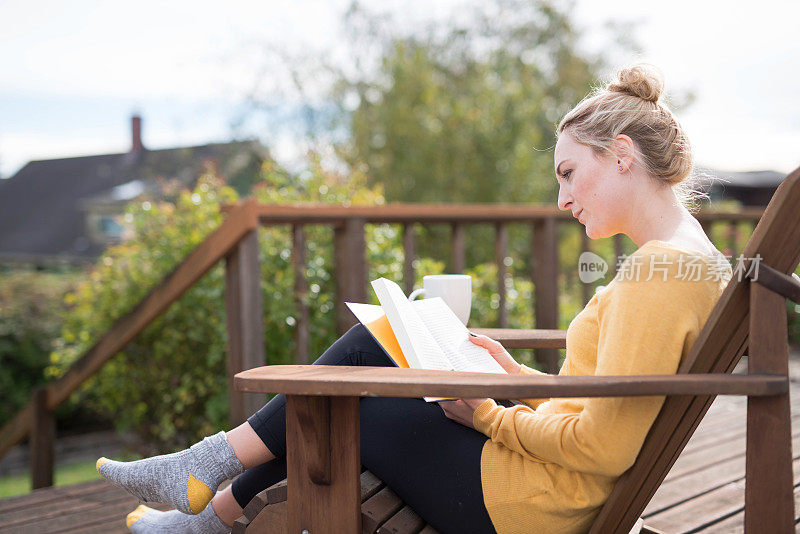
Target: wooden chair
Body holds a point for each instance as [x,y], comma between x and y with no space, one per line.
[326,489]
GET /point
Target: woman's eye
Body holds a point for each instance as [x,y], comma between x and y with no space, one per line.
[566,174]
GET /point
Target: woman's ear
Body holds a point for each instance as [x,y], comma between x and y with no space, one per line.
[623,148]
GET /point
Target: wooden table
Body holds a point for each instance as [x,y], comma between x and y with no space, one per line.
[322,418]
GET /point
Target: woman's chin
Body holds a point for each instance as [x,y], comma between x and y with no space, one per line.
[596,233]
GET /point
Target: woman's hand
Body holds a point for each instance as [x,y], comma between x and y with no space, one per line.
[498,352]
[461,410]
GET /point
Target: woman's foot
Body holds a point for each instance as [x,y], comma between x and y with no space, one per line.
[185,480]
[145,520]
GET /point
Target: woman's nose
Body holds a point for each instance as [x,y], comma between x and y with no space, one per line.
[564,199]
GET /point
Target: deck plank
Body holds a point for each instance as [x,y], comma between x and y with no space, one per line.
[90,506]
[704,491]
[735,523]
[674,491]
[717,453]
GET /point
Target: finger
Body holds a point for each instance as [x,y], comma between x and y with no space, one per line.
[486,342]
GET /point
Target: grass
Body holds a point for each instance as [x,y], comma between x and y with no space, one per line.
[65,475]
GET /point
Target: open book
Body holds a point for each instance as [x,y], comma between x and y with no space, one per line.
[423,334]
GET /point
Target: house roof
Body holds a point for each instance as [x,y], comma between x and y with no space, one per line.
[42,206]
[745,178]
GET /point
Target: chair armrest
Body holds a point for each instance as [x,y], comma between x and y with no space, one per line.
[334,380]
[519,338]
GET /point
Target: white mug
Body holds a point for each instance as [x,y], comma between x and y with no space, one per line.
[454,289]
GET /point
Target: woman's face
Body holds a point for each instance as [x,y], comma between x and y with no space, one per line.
[591,187]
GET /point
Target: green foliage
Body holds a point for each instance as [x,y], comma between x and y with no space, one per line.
[170,383]
[464,111]
[280,311]
[31,312]
[459,109]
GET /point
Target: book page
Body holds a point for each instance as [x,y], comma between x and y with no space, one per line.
[376,323]
[419,347]
[453,338]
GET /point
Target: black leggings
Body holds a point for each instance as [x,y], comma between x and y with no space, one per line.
[431,462]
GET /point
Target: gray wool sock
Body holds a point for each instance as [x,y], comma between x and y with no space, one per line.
[186,480]
[145,520]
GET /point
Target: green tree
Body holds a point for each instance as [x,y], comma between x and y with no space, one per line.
[462,109]
[466,112]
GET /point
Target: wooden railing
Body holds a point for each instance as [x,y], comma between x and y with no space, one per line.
[231,241]
[351,265]
[236,241]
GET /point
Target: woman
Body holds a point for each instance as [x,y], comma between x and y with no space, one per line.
[546,465]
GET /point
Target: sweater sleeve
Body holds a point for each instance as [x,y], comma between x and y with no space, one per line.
[533,403]
[643,326]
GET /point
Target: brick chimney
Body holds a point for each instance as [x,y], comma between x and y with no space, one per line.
[136,134]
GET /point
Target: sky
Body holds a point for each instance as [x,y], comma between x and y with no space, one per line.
[72,73]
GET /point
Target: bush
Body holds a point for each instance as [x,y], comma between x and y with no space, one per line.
[31,311]
[169,385]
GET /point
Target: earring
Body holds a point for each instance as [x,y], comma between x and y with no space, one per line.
[620,165]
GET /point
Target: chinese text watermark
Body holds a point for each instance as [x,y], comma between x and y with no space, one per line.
[689,268]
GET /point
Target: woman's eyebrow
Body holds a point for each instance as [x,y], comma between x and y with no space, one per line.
[558,168]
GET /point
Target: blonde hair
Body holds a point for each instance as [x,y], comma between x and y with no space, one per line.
[632,105]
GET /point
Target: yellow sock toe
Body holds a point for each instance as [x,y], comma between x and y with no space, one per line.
[100,461]
[199,494]
[137,514]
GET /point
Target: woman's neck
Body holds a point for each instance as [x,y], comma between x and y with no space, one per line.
[658,216]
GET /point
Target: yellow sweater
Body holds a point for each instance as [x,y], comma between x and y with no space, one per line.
[550,464]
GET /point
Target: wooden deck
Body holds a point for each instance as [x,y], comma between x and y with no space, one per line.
[704,491]
[89,507]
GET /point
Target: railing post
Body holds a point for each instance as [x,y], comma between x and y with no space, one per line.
[768,497]
[301,334]
[245,317]
[409,255]
[458,251]
[544,262]
[42,443]
[500,254]
[732,231]
[351,269]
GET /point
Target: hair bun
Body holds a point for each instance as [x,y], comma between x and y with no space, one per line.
[642,80]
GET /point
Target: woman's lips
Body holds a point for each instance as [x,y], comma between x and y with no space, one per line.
[578,216]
